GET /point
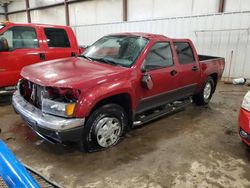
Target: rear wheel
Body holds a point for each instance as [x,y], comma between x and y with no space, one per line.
[104,128]
[206,93]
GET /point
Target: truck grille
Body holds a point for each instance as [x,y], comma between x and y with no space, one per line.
[32,92]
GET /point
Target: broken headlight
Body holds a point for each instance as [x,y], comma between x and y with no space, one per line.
[60,101]
[58,108]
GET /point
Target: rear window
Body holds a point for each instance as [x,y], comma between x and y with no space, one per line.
[184,52]
[57,38]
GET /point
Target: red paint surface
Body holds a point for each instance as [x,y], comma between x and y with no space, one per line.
[244,123]
[98,81]
[12,62]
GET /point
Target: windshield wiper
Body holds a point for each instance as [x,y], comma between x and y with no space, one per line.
[86,57]
[107,61]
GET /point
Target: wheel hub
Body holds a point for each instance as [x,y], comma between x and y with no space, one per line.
[207,90]
[108,130]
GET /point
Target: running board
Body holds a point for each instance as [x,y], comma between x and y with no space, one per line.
[161,111]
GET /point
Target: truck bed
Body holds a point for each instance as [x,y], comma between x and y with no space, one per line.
[204,58]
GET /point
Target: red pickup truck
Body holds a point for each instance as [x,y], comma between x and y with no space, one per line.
[25,44]
[120,81]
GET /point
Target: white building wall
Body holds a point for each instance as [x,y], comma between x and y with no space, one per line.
[204,7]
[36,3]
[54,15]
[17,5]
[237,5]
[19,17]
[150,9]
[107,11]
[1,9]
[99,11]
[223,35]
[2,18]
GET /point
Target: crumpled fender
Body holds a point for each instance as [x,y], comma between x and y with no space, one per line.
[94,95]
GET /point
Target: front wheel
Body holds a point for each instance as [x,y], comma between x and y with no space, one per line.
[104,128]
[206,93]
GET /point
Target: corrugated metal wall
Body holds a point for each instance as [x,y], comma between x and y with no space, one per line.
[225,35]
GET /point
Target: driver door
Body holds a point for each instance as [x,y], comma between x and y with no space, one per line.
[23,50]
[163,74]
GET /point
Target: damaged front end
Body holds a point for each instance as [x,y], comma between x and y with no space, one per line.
[55,101]
[49,111]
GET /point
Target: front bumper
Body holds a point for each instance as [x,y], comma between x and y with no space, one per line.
[7,90]
[52,128]
[244,126]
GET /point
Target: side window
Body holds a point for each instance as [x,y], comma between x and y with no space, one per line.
[159,56]
[57,38]
[21,37]
[184,52]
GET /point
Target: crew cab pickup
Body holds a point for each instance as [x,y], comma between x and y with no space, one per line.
[25,44]
[122,80]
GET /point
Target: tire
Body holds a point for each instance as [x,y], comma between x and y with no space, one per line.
[104,128]
[206,93]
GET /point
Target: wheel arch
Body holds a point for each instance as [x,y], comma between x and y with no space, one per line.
[122,99]
[214,76]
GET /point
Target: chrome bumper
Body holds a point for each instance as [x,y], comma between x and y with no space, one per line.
[7,90]
[35,117]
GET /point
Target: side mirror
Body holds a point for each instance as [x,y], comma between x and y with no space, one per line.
[146,78]
[82,48]
[147,81]
[4,46]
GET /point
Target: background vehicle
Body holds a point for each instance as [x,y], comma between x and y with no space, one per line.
[120,81]
[244,120]
[25,44]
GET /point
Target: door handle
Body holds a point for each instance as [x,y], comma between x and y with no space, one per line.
[42,56]
[195,68]
[173,72]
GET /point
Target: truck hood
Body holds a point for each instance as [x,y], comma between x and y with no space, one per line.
[74,72]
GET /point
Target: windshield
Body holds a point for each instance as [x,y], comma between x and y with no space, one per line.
[116,50]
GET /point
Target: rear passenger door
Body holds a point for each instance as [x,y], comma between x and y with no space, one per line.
[189,67]
[57,44]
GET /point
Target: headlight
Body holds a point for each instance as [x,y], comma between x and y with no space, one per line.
[58,108]
[246,102]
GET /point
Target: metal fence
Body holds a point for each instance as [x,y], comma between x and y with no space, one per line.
[225,35]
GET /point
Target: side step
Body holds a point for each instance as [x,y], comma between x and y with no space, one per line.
[161,111]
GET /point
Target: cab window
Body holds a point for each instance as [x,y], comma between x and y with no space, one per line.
[19,37]
[184,52]
[159,56]
[57,38]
